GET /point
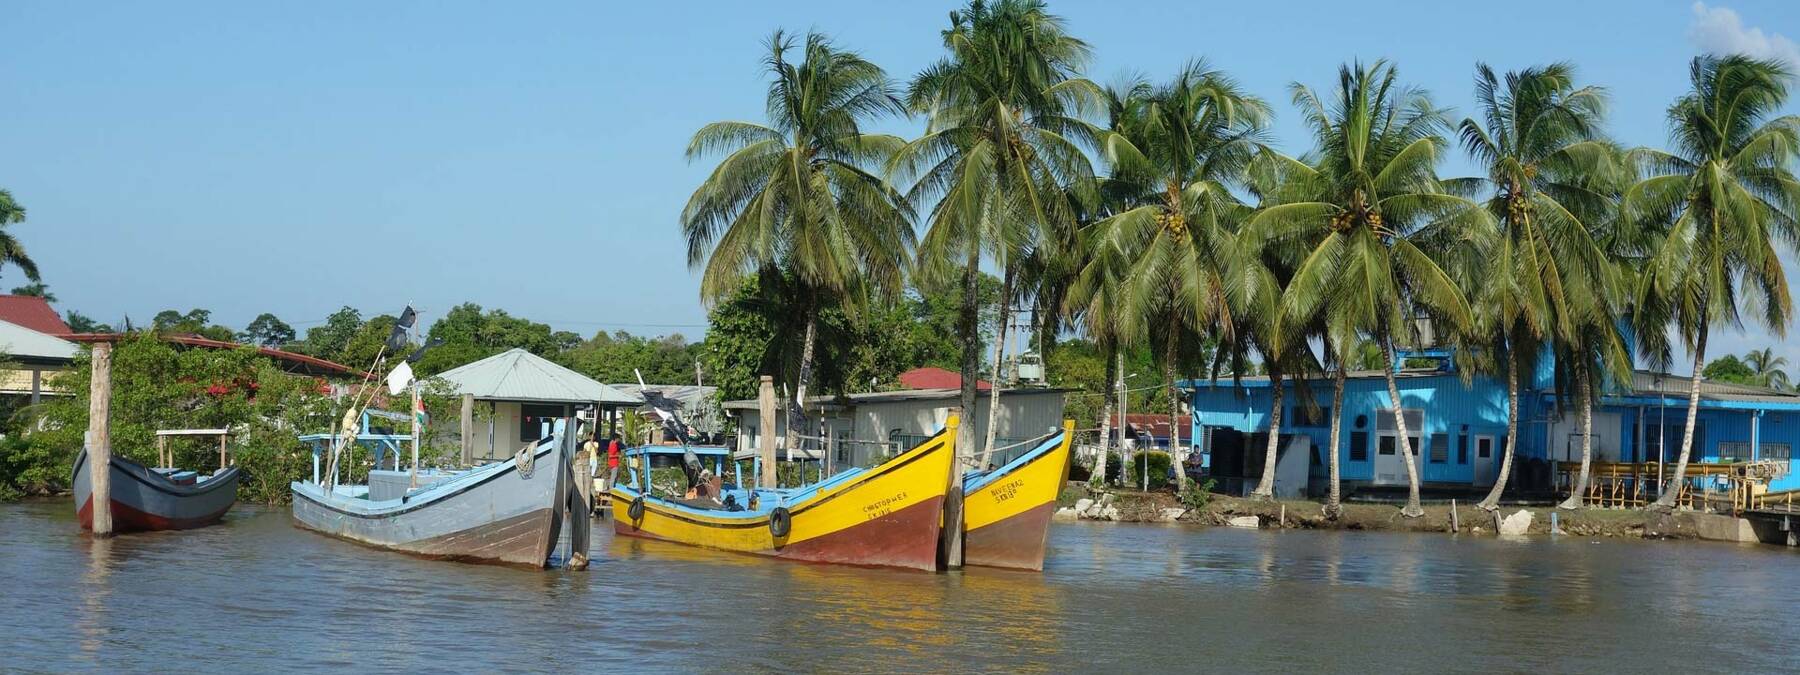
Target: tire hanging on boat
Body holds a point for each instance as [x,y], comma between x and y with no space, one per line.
[636,510]
[780,522]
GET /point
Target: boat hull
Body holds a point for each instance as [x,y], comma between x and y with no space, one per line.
[144,500]
[498,514]
[1006,515]
[888,516]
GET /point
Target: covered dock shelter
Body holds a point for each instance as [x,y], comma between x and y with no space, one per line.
[522,395]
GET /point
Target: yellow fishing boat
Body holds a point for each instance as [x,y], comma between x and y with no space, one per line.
[1006,511]
[887,515]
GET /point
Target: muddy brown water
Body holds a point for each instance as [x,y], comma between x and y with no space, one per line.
[255,592]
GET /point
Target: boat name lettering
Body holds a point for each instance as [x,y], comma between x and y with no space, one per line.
[1005,491]
[883,506]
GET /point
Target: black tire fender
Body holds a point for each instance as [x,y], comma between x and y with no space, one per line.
[780,522]
[636,510]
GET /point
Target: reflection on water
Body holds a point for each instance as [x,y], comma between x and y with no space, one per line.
[95,593]
[256,591]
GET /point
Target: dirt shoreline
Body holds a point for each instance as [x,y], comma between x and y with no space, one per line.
[1151,507]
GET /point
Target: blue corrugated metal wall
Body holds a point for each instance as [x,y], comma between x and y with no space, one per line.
[1449,408]
[1459,412]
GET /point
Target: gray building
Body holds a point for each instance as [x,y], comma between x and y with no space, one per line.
[869,427]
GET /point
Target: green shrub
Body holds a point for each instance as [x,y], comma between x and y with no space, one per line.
[1154,462]
[1198,494]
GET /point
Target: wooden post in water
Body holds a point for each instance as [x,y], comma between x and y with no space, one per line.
[99,437]
[765,409]
[468,429]
[952,545]
[1455,522]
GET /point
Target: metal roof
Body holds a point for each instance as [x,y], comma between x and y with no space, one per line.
[288,361]
[32,312]
[1646,383]
[23,344]
[699,403]
[519,375]
[832,402]
[1225,380]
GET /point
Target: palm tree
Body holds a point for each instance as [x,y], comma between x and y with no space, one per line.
[1372,224]
[11,250]
[1727,194]
[1002,153]
[798,195]
[1595,343]
[1547,168]
[36,289]
[1095,302]
[1178,151]
[1769,368]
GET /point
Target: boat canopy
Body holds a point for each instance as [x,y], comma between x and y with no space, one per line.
[676,450]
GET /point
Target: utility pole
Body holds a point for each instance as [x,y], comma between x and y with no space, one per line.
[1124,419]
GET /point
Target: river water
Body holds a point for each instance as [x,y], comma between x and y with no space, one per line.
[256,592]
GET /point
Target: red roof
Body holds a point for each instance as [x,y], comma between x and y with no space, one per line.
[936,378]
[32,312]
[301,363]
[1155,425]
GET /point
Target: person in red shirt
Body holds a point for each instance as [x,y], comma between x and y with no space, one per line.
[613,448]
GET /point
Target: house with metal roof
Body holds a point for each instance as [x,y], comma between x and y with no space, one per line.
[32,352]
[521,395]
[699,404]
[1456,428]
[868,427]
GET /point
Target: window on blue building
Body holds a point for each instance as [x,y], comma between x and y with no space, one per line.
[1462,449]
[1440,449]
[1359,447]
[1387,446]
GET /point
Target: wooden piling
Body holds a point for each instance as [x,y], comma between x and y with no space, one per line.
[468,429]
[1455,522]
[765,405]
[99,437]
[951,546]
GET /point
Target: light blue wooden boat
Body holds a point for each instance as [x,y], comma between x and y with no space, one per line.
[508,512]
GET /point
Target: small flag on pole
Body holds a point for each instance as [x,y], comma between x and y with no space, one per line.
[399,378]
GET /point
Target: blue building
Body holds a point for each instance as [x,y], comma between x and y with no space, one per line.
[1458,431]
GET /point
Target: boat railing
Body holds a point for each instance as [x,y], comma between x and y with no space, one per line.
[165,457]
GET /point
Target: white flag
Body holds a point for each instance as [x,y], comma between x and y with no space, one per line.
[398,379]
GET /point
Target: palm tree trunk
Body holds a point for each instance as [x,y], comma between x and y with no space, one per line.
[950,543]
[987,447]
[1265,487]
[1586,390]
[1098,476]
[806,367]
[1492,501]
[1412,508]
[968,329]
[1169,353]
[1333,499]
[1672,489]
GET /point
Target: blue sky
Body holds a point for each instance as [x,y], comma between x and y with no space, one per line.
[294,158]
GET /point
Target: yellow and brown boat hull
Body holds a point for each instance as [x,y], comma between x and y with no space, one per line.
[1006,516]
[888,515]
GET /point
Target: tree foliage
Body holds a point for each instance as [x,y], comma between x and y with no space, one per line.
[267,330]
